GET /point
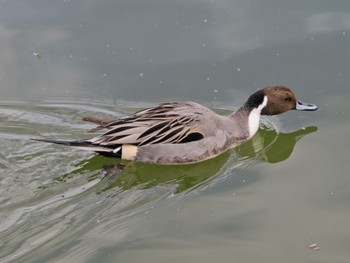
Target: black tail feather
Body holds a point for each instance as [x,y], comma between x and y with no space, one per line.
[110,151]
[73,143]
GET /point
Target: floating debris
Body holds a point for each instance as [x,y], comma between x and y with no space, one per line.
[314,247]
[37,55]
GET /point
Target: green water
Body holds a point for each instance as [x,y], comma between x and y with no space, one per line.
[265,201]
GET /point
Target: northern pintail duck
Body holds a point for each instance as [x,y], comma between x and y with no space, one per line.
[186,132]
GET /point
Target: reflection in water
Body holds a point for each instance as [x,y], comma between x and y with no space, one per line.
[268,145]
[117,173]
[271,146]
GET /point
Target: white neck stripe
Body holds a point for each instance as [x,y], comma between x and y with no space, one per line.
[254,118]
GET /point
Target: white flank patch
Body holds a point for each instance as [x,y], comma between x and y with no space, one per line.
[254,118]
[129,152]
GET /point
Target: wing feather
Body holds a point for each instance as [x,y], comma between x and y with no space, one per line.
[166,123]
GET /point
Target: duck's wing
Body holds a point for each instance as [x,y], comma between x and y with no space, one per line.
[175,122]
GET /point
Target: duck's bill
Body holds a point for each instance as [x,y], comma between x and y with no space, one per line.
[305,106]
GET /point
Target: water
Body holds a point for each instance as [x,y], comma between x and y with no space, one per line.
[266,201]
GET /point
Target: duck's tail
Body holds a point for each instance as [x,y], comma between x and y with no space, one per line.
[85,144]
[73,143]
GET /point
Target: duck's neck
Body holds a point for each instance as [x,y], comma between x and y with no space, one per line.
[249,116]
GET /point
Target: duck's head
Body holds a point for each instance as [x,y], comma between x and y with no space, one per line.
[273,100]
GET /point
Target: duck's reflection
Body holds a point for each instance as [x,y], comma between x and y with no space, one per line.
[267,145]
[272,147]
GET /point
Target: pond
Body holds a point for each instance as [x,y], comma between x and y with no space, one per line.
[283,196]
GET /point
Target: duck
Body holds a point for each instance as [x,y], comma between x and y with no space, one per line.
[183,132]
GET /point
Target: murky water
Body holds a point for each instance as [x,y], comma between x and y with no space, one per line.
[266,201]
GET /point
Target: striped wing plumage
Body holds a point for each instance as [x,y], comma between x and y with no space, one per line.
[167,123]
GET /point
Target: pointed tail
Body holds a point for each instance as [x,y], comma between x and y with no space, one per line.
[84,144]
[73,143]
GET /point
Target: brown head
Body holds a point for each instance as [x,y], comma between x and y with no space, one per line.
[281,99]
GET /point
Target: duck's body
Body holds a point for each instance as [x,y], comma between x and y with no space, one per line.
[186,132]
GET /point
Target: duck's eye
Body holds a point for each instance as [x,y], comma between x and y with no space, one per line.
[288,99]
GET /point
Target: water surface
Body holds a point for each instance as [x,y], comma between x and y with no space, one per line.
[265,201]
